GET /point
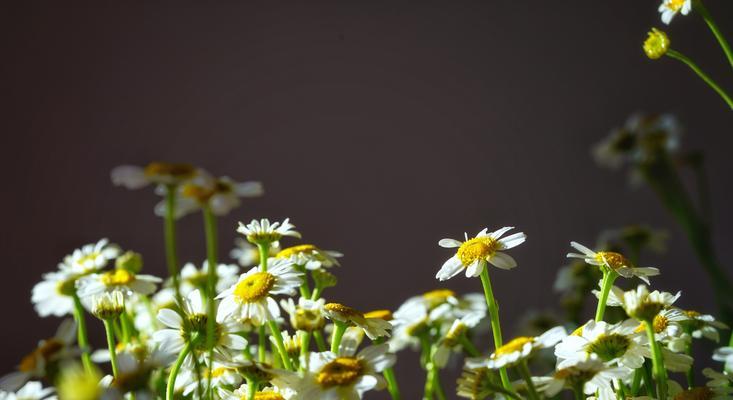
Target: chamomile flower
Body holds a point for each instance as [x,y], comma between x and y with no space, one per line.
[307,315]
[593,375]
[194,278]
[136,363]
[268,393]
[116,280]
[472,254]
[189,380]
[248,255]
[640,303]
[452,338]
[221,195]
[346,375]
[704,325]
[612,261]
[518,349]
[108,305]
[373,327]
[76,383]
[263,231]
[190,327]
[409,321]
[30,391]
[49,352]
[54,294]
[667,324]
[717,388]
[479,384]
[159,173]
[310,256]
[725,355]
[250,299]
[90,258]
[721,383]
[618,343]
[670,8]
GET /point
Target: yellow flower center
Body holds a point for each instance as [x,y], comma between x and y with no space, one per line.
[692,314]
[254,287]
[609,347]
[45,351]
[479,248]
[660,323]
[438,295]
[612,259]
[513,345]
[675,5]
[183,171]
[344,311]
[381,314]
[342,371]
[217,372]
[117,277]
[578,331]
[295,250]
[267,396]
[66,287]
[656,44]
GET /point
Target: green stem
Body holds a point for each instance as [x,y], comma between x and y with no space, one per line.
[275,330]
[606,284]
[523,369]
[171,388]
[320,341]
[211,258]
[437,387]
[705,77]
[428,390]
[690,374]
[261,342]
[636,382]
[338,332]
[251,389]
[316,293]
[111,346]
[305,342]
[578,392]
[264,249]
[700,8]
[81,334]
[392,387]
[495,325]
[660,373]
[651,391]
[468,346]
[171,252]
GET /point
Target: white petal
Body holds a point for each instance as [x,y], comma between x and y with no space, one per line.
[503,261]
[129,176]
[513,240]
[449,243]
[450,268]
[170,318]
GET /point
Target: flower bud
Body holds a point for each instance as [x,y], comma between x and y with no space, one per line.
[656,44]
[130,261]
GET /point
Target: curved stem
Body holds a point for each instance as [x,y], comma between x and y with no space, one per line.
[660,373]
[275,330]
[171,252]
[703,11]
[495,325]
[338,332]
[171,387]
[705,77]
[111,345]
[606,284]
[81,334]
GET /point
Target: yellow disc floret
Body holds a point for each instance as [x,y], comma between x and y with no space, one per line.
[254,287]
[656,44]
[342,371]
[117,277]
[612,259]
[295,250]
[479,248]
[513,345]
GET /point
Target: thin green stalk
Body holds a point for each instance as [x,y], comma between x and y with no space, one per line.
[578,392]
[437,387]
[523,370]
[212,260]
[81,334]
[700,8]
[171,252]
[316,293]
[251,389]
[171,387]
[320,341]
[305,342]
[111,345]
[495,325]
[606,284]
[690,374]
[275,330]
[705,77]
[636,382]
[428,389]
[338,333]
[392,387]
[660,373]
[651,391]
[468,346]
[261,342]
[264,249]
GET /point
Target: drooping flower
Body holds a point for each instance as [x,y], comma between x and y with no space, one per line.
[310,256]
[612,261]
[704,325]
[221,195]
[518,349]
[669,8]
[54,294]
[473,253]
[373,327]
[307,315]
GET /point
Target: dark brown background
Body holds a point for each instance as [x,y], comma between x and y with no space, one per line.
[378,127]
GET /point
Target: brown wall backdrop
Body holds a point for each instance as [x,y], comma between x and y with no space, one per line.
[379,127]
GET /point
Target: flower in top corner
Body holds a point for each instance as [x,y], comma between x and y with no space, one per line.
[473,253]
[158,173]
[670,8]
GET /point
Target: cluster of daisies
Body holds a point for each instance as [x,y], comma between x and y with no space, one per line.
[261,329]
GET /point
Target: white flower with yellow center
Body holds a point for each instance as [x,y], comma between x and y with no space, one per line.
[518,349]
[221,374]
[30,391]
[307,315]
[473,253]
[54,294]
[667,324]
[191,326]
[49,351]
[116,280]
[725,355]
[704,325]
[640,303]
[310,256]
[263,231]
[248,255]
[342,376]
[452,338]
[220,195]
[593,375]
[373,327]
[160,173]
[90,258]
[194,278]
[409,321]
[613,343]
[108,305]
[670,8]
[250,299]
[612,261]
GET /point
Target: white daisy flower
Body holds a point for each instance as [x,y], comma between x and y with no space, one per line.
[518,349]
[248,255]
[188,380]
[160,173]
[116,280]
[704,325]
[221,195]
[452,337]
[640,303]
[593,374]
[250,299]
[90,258]
[310,256]
[263,231]
[618,343]
[49,351]
[108,305]
[725,355]
[667,324]
[373,327]
[473,253]
[54,294]
[30,391]
[469,306]
[347,375]
[135,364]
[307,315]
[194,278]
[670,8]
[613,261]
[146,312]
[191,326]
[409,320]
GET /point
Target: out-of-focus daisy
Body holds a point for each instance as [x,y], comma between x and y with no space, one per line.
[160,173]
[221,195]
[310,256]
[667,324]
[194,278]
[479,384]
[452,338]
[116,280]
[720,383]
[248,255]
[90,258]
[640,303]
[725,355]
[593,375]
[221,374]
[717,388]
[263,231]
[49,352]
[190,327]
[346,375]
[250,299]
[613,261]
[30,391]
[373,327]
[54,294]
[518,349]
[670,8]
[108,305]
[617,343]
[135,365]
[78,384]
[307,315]
[704,325]
[268,393]
[484,247]
[409,321]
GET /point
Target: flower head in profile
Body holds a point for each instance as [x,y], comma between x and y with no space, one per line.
[221,195]
[472,254]
[310,256]
[307,315]
[30,391]
[619,344]
[612,261]
[373,327]
[108,305]
[670,8]
[518,349]
[640,303]
[117,279]
[54,294]
[263,231]
[704,325]
[90,258]
[656,44]
[158,173]
[593,375]
[250,299]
